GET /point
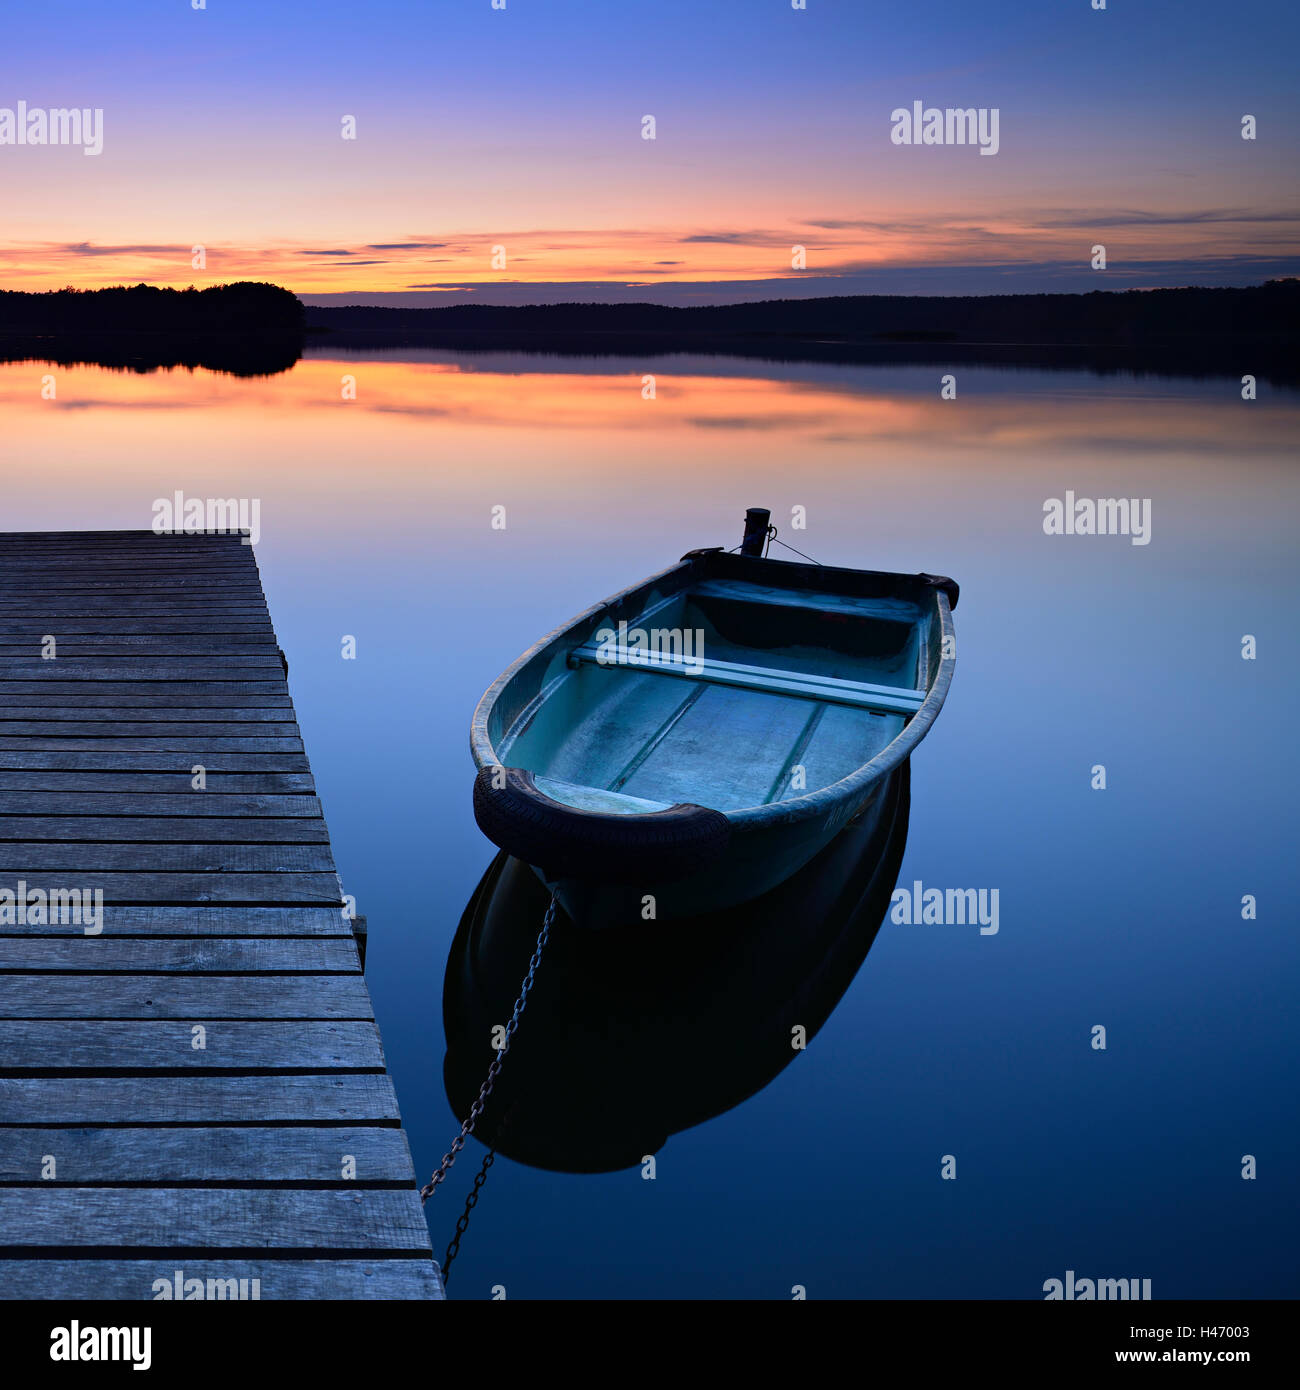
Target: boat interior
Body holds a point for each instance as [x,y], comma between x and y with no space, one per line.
[725,694]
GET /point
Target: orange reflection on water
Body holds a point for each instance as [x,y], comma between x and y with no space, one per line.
[332,398]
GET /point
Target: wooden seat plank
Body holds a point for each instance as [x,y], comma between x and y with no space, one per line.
[798,684]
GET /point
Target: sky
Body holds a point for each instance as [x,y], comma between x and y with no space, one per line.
[499,153]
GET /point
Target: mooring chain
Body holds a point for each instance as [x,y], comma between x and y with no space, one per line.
[462,1225]
[471,1201]
[476,1110]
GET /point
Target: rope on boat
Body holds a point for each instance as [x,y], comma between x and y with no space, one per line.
[772,536]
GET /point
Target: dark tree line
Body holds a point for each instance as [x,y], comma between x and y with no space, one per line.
[1266,311]
[246,308]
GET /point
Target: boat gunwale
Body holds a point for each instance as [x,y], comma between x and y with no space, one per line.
[794,809]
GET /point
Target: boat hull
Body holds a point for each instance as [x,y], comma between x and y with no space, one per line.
[643,786]
[757,858]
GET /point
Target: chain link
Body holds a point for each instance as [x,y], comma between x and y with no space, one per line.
[476,1110]
[471,1201]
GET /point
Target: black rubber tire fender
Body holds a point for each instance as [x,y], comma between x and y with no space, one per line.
[565,842]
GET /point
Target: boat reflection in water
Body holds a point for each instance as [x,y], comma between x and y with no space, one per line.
[632,1035]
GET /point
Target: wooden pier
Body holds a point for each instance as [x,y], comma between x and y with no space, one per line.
[194,1092]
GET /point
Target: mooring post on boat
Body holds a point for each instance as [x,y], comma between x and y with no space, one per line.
[757,522]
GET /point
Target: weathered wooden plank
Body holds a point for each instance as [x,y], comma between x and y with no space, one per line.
[205,920]
[22,585]
[166,600]
[112,562]
[122,561]
[203,954]
[218,783]
[288,1154]
[13,803]
[60,588]
[135,540]
[109,569]
[117,647]
[135,589]
[106,568]
[38,719]
[134,606]
[172,743]
[125,535]
[70,1045]
[198,999]
[146,729]
[195,551]
[158,887]
[128,554]
[116,558]
[113,761]
[198,546]
[25,577]
[41,857]
[162,1219]
[114,625]
[262,830]
[128,691]
[112,658]
[30,575]
[57,647]
[52,553]
[123,556]
[182,669]
[153,668]
[114,1101]
[115,564]
[143,729]
[306,1279]
[50,557]
[90,704]
[33,579]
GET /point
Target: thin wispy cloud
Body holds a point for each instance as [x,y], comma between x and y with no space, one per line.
[1194,217]
[86,248]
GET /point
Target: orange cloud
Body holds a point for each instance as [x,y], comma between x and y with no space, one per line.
[831,245]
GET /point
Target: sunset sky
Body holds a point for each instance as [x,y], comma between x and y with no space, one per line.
[522,128]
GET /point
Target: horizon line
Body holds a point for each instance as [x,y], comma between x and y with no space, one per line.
[463,294]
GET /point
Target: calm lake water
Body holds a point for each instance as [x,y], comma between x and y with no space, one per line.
[1119,907]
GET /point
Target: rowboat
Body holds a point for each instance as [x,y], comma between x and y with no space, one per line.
[697,738]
